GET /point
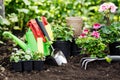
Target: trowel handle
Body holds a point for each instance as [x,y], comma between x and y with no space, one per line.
[18,41]
[40,45]
[44,20]
[41,26]
[114,58]
[47,27]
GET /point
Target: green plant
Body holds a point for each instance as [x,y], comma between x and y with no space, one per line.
[16,57]
[56,11]
[106,32]
[110,31]
[3,23]
[91,44]
[28,55]
[62,33]
[38,56]
[20,55]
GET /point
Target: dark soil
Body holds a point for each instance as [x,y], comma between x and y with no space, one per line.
[97,70]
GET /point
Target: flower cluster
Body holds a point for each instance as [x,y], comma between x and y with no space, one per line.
[94,33]
[94,41]
[107,9]
[110,30]
[108,6]
[91,42]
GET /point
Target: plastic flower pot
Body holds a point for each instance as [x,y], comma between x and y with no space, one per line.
[75,50]
[50,61]
[64,46]
[38,65]
[114,50]
[17,66]
[28,65]
[76,23]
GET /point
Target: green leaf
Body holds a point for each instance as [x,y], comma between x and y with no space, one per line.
[16,58]
[93,56]
[34,8]
[13,17]
[5,21]
[27,57]
[27,2]
[108,59]
[23,10]
[106,30]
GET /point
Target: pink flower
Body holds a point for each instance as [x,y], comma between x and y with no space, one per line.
[108,6]
[96,26]
[104,7]
[85,31]
[83,35]
[112,7]
[95,34]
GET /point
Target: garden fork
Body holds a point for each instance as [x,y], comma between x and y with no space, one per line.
[85,60]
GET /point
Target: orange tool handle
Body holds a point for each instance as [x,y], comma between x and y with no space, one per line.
[44,20]
[36,30]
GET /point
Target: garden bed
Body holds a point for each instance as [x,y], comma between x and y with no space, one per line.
[98,70]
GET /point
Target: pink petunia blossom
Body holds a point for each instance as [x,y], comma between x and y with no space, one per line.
[83,35]
[112,7]
[96,26]
[96,34]
[85,31]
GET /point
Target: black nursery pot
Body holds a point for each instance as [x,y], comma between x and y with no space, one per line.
[75,50]
[17,66]
[113,48]
[64,46]
[28,65]
[38,65]
[50,61]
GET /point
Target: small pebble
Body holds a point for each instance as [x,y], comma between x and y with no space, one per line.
[2,69]
[6,78]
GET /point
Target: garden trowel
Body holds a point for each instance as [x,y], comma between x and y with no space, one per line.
[57,55]
[47,27]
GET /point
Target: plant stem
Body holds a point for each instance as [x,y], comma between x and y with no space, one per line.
[108,19]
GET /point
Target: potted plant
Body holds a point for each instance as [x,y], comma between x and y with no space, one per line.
[107,34]
[16,60]
[91,43]
[27,61]
[75,49]
[111,37]
[38,61]
[63,36]
[110,30]
[21,61]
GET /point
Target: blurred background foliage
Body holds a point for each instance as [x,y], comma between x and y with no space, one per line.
[19,12]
